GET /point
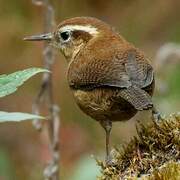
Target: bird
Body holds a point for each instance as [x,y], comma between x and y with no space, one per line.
[111,80]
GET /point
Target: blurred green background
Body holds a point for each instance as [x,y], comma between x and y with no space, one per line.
[23,151]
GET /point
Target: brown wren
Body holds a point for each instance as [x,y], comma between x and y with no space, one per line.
[110,79]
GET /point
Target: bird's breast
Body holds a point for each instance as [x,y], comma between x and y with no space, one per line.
[101,103]
[94,103]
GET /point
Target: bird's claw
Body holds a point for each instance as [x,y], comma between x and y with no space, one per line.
[109,160]
[157,116]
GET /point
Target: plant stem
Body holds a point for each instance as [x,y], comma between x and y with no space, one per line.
[51,172]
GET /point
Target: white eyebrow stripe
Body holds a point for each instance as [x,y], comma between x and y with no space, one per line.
[88,28]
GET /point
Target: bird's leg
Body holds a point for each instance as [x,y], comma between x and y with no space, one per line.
[156,114]
[107,125]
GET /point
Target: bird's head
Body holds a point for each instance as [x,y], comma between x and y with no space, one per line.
[74,34]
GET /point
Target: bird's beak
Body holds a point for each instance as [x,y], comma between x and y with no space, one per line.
[40,37]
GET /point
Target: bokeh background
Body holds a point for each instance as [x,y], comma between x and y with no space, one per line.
[152,26]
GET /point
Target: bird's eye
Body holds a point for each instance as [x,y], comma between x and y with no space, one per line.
[65,36]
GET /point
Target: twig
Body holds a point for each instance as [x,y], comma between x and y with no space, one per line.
[51,172]
[168,54]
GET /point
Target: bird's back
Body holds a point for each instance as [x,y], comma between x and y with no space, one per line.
[111,80]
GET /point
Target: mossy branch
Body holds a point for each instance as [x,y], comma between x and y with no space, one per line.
[154,155]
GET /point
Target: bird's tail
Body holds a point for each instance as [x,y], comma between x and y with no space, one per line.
[139,98]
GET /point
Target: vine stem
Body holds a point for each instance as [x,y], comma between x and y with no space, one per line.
[51,172]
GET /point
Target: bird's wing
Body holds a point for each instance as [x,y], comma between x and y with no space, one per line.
[140,75]
[127,71]
[140,72]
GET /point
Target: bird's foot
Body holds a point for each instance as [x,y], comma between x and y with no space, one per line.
[109,160]
[157,116]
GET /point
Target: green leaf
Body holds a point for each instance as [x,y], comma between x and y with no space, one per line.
[17,116]
[10,83]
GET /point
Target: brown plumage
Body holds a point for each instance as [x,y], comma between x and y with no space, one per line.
[111,80]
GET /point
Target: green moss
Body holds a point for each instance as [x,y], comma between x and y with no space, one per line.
[169,171]
[154,155]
